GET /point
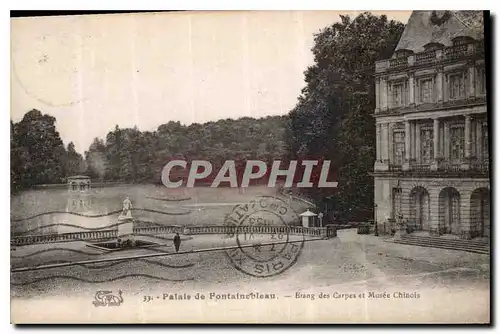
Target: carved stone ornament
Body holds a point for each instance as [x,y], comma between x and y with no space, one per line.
[441,18]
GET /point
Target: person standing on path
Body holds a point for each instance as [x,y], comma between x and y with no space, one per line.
[177,242]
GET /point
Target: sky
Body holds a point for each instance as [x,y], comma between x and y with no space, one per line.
[93,72]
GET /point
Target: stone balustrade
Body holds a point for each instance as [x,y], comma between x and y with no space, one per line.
[320,232]
[449,53]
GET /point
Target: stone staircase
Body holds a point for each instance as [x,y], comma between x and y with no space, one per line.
[481,246]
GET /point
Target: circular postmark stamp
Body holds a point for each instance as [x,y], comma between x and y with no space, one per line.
[266,241]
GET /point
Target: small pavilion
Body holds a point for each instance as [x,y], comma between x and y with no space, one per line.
[309,218]
[78,183]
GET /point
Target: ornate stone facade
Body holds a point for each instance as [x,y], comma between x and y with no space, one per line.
[432,162]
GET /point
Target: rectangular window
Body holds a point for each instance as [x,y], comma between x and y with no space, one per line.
[457,142]
[426,145]
[399,147]
[456,86]
[426,90]
[398,95]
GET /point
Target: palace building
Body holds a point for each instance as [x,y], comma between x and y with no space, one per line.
[432,161]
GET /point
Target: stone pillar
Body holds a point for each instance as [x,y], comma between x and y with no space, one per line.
[466,230]
[436,139]
[467,142]
[386,143]
[390,102]
[439,85]
[126,228]
[382,164]
[434,229]
[406,164]
[390,143]
[383,94]
[377,94]
[405,203]
[445,88]
[472,81]
[413,126]
[411,88]
[416,152]
[435,133]
[378,134]
[479,140]
[446,141]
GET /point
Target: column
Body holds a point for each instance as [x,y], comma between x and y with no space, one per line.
[439,85]
[406,164]
[436,139]
[472,81]
[387,140]
[416,152]
[383,163]
[390,141]
[413,126]
[383,94]
[435,133]
[479,140]
[411,87]
[434,206]
[467,136]
[465,219]
[378,143]
[377,94]
[446,141]
[405,202]
[467,141]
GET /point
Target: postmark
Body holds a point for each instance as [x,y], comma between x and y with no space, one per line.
[265,233]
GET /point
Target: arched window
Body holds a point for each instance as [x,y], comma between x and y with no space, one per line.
[462,40]
[403,53]
[433,46]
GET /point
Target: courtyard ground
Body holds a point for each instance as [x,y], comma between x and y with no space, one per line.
[360,277]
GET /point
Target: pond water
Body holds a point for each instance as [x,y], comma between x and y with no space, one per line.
[50,210]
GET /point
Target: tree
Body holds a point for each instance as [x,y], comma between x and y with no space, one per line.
[95,160]
[74,163]
[39,150]
[332,118]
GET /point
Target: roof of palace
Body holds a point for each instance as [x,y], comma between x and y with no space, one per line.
[441,27]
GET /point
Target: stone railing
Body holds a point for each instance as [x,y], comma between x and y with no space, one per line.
[265,229]
[425,57]
[157,229]
[450,167]
[456,51]
[398,62]
[447,53]
[63,237]
[320,232]
[395,167]
[481,166]
[420,167]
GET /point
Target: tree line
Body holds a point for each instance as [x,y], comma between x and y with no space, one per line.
[129,155]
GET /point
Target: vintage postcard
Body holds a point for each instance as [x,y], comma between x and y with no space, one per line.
[288,167]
